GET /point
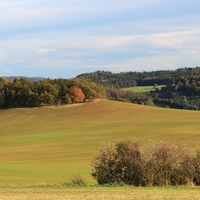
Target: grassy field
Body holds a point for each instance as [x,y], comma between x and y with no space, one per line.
[48,146]
[99,193]
[140,89]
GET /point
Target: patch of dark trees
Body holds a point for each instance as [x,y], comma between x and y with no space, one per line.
[22,92]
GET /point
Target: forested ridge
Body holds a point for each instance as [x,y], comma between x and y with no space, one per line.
[180,87]
[130,79]
[22,92]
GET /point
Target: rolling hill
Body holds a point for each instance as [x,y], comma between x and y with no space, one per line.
[50,145]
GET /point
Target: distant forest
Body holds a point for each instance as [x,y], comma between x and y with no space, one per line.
[180,89]
[22,92]
[130,79]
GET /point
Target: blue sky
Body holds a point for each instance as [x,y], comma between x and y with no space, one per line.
[65,38]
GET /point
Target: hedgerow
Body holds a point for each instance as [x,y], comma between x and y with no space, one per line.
[158,163]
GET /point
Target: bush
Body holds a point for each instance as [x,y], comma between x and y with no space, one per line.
[119,164]
[129,163]
[105,165]
[166,164]
[157,163]
[197,168]
[76,180]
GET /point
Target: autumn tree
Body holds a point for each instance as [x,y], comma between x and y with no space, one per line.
[75,94]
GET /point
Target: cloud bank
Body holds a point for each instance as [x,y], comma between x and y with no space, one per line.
[66,38]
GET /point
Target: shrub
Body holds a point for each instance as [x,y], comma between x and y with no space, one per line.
[166,163]
[129,163]
[157,163]
[105,165]
[76,180]
[118,164]
[197,168]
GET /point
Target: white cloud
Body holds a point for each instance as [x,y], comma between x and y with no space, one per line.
[3,55]
[8,71]
[111,35]
[176,40]
[41,52]
[76,48]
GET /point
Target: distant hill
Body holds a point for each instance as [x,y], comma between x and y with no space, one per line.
[34,79]
[179,88]
[131,79]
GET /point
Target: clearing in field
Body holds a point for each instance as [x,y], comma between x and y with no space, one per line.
[140,89]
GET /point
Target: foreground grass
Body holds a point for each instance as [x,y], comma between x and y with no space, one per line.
[99,193]
[51,145]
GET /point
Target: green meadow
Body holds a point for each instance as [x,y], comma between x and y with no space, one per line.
[46,146]
[140,89]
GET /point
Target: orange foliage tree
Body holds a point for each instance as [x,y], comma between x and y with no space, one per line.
[75,95]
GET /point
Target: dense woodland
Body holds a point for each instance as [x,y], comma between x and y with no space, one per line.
[22,92]
[181,87]
[130,79]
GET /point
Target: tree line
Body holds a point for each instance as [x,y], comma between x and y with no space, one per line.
[185,94]
[180,88]
[131,79]
[158,163]
[22,92]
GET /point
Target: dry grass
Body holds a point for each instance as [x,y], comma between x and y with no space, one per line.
[99,193]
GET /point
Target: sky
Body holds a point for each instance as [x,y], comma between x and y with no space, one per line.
[65,38]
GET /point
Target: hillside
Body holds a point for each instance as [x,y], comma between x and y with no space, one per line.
[49,145]
[34,79]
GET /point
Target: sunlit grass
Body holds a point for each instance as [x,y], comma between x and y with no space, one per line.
[99,193]
[139,89]
[51,145]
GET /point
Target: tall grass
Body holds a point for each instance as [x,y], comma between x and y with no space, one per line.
[50,145]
